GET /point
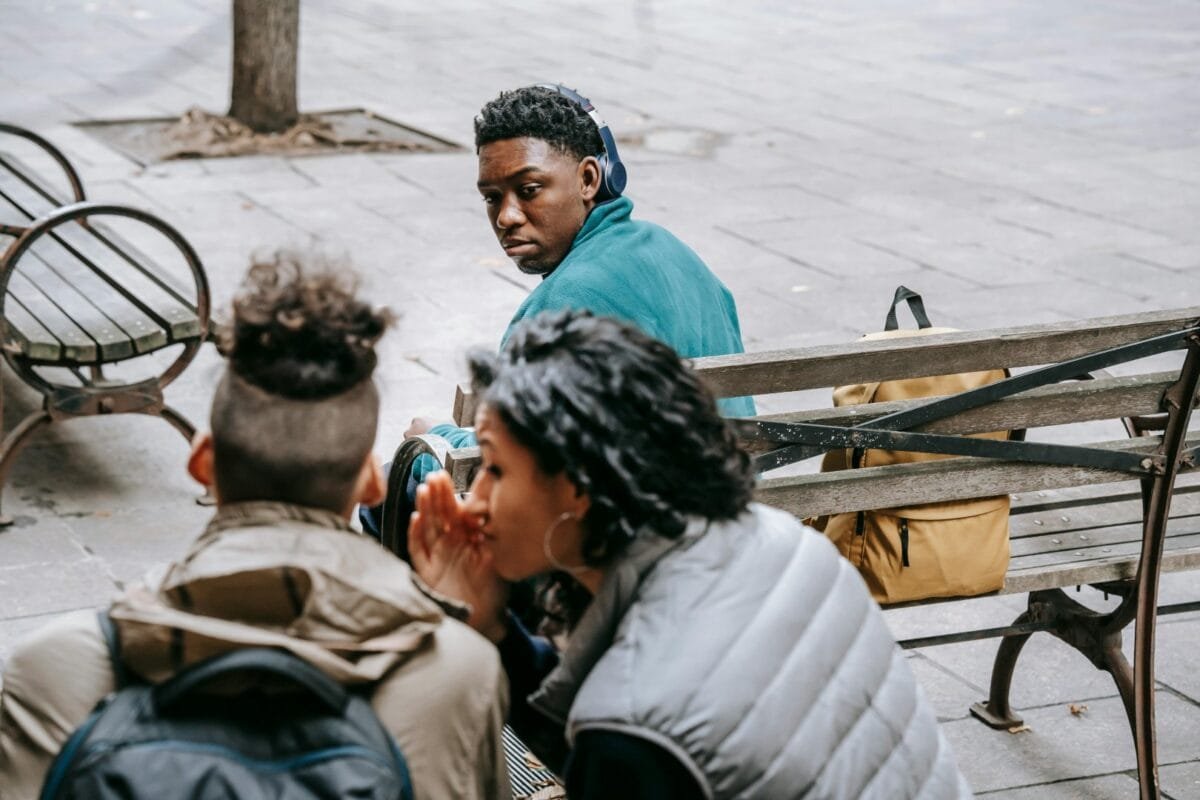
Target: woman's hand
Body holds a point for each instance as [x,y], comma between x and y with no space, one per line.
[447,551]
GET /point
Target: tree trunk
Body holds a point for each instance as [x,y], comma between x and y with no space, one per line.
[265,52]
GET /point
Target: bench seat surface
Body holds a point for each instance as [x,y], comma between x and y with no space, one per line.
[82,295]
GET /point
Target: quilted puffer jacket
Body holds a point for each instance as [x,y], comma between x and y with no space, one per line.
[751,651]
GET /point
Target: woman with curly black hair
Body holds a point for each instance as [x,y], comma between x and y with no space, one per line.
[717,648]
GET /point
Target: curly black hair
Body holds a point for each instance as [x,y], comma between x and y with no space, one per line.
[627,422]
[298,330]
[539,113]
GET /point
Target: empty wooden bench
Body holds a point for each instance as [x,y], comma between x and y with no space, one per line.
[1082,515]
[75,297]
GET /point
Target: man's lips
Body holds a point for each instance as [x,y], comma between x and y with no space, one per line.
[518,247]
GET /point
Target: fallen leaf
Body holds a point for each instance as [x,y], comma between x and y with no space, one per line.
[1078,709]
[1020,729]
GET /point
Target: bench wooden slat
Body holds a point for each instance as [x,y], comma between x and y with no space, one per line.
[1098,513]
[1181,553]
[1058,404]
[940,354]
[76,299]
[30,335]
[901,485]
[140,299]
[65,340]
[1101,544]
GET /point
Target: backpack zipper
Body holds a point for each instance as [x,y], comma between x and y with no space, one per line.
[903,542]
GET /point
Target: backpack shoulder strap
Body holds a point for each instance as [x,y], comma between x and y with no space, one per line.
[112,638]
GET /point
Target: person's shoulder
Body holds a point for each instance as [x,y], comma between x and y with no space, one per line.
[457,666]
[52,680]
[74,638]
[445,706]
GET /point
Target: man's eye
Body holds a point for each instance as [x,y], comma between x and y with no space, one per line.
[492,470]
[490,199]
[529,190]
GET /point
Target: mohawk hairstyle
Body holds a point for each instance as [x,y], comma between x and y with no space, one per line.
[294,418]
[539,113]
[298,331]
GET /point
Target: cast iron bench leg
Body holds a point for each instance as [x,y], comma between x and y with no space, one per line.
[996,711]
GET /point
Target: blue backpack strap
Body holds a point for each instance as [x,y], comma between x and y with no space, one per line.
[112,638]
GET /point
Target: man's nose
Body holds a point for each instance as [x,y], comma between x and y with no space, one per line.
[509,215]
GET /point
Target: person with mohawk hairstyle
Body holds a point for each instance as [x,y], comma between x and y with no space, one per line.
[288,457]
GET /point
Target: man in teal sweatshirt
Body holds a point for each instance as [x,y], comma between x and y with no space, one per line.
[551,180]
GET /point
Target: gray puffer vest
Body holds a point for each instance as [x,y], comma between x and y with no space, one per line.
[751,651]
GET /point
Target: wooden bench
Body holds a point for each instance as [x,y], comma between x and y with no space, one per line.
[1076,519]
[75,297]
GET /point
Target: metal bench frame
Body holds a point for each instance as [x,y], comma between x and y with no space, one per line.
[96,394]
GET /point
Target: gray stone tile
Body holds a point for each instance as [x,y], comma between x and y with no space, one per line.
[1061,746]
[1109,787]
[1048,671]
[64,586]
[950,694]
[1181,781]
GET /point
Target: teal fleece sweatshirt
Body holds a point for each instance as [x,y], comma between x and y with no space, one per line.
[640,273]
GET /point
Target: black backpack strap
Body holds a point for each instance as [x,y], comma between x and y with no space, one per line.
[112,638]
[915,304]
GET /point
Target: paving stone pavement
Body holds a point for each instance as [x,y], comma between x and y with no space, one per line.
[1018,161]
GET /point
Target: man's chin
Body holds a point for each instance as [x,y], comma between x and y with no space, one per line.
[534,267]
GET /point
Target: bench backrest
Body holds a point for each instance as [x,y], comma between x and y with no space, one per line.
[799,369]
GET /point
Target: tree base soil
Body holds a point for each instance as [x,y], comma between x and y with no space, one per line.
[199,134]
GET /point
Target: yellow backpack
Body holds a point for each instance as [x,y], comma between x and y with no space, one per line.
[949,549]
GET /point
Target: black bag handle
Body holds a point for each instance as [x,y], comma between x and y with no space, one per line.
[254,659]
[915,304]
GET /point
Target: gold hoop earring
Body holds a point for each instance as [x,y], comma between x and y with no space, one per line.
[548,551]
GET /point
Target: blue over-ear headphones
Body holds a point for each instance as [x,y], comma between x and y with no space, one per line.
[612,171]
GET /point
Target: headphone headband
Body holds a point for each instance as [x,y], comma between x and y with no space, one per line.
[612,172]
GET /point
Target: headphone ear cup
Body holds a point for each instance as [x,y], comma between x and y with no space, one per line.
[605,190]
[612,178]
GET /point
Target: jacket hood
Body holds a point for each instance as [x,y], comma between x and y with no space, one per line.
[275,575]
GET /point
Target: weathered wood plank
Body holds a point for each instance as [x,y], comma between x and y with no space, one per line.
[929,482]
[27,334]
[1182,553]
[876,360]
[75,296]
[461,464]
[64,339]
[1057,404]
[1034,551]
[790,370]
[465,406]
[1095,513]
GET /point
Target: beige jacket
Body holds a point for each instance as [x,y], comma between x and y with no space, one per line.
[267,574]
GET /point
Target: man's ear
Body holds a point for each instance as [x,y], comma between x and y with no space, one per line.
[200,462]
[371,487]
[589,178]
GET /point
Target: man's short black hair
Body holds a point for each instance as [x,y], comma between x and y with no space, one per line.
[539,113]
